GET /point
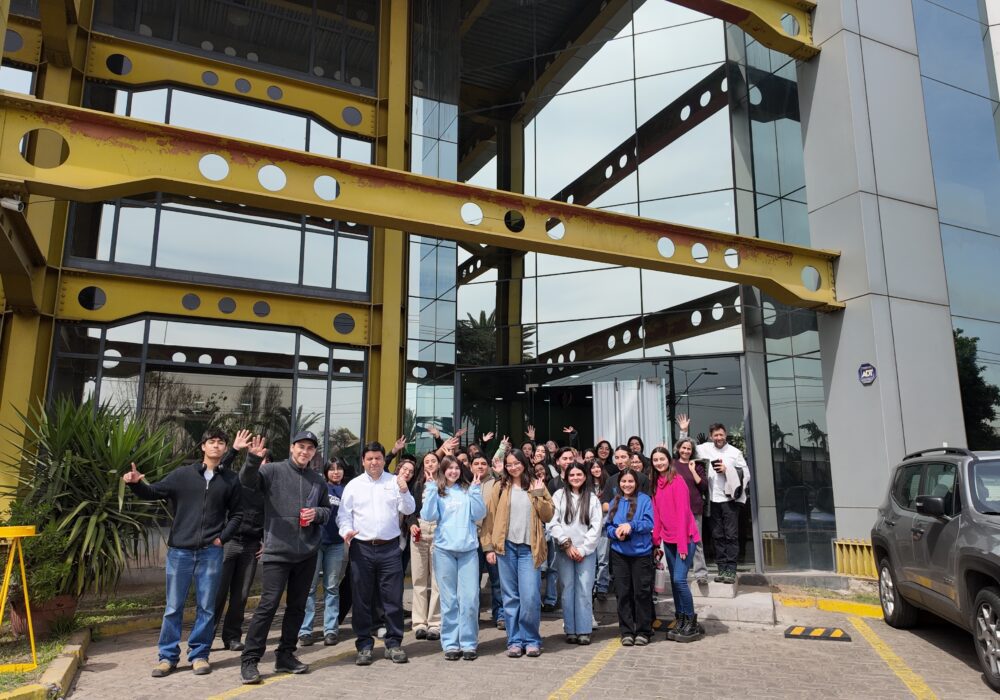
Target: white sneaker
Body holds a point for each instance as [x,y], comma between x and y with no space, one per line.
[595,624]
[381,633]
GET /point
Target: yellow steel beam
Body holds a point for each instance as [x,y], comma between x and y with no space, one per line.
[112,157]
[26,47]
[783,25]
[118,60]
[386,384]
[59,29]
[19,256]
[102,297]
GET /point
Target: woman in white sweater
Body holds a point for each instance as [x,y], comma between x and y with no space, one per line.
[575,528]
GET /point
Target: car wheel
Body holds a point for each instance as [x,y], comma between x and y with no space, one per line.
[896,610]
[986,629]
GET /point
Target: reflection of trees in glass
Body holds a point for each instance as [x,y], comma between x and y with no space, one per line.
[815,434]
[477,340]
[979,397]
[778,436]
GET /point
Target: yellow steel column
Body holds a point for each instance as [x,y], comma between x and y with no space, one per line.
[26,345]
[386,384]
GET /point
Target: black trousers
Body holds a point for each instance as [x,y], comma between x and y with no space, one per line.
[376,576]
[725,533]
[239,564]
[276,577]
[634,591]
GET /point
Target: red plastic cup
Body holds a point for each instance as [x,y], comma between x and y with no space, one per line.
[302,517]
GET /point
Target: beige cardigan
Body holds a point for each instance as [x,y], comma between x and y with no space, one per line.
[497,521]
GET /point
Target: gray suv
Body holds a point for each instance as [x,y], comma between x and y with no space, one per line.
[937,545]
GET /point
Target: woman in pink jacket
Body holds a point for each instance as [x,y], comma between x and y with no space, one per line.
[675,535]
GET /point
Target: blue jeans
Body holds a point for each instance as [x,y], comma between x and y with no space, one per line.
[496,598]
[330,561]
[520,584]
[603,577]
[551,575]
[457,576]
[683,602]
[203,567]
[577,581]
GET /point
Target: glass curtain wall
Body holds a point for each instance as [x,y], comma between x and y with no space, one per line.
[961,105]
[172,235]
[190,376]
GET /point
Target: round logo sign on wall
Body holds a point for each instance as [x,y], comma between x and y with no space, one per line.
[867,374]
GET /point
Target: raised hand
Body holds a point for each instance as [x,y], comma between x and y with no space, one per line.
[683,422]
[450,445]
[505,440]
[399,445]
[476,481]
[258,446]
[487,437]
[530,433]
[538,483]
[461,431]
[433,431]
[569,430]
[133,476]
[242,439]
[403,476]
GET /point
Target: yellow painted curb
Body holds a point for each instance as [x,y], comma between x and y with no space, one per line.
[832,605]
[35,691]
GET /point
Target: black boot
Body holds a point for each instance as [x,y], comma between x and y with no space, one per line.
[721,576]
[691,632]
[680,619]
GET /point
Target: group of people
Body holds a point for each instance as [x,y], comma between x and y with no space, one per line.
[586,518]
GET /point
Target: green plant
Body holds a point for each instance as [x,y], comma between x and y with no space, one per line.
[45,565]
[72,461]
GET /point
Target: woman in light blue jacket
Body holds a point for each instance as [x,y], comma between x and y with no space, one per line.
[455,503]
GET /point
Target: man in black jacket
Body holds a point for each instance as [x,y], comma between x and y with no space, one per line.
[207,510]
[239,558]
[293,513]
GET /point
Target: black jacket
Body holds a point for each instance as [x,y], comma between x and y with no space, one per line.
[285,490]
[252,525]
[203,510]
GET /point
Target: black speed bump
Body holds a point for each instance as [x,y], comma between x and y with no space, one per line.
[830,634]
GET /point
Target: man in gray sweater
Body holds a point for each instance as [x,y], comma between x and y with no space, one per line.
[293,514]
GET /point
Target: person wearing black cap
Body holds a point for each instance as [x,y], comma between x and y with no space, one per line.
[294,510]
[207,509]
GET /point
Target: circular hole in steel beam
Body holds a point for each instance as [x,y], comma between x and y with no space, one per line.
[790,25]
[555,229]
[695,318]
[272,178]
[700,253]
[119,64]
[213,167]
[190,301]
[665,247]
[718,311]
[472,214]
[343,323]
[514,221]
[732,258]
[326,188]
[706,97]
[210,78]
[227,305]
[811,278]
[261,308]
[47,142]
[351,115]
[12,41]
[275,92]
[242,85]
[92,298]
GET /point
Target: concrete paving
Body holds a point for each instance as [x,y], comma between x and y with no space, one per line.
[736,659]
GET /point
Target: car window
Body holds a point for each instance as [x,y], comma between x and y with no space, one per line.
[907,486]
[986,486]
[939,481]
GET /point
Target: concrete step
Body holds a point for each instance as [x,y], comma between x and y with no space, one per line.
[751,606]
[712,589]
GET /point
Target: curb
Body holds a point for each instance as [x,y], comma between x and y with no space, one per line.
[60,674]
[147,622]
[831,605]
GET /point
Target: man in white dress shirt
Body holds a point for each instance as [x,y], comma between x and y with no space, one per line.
[369,523]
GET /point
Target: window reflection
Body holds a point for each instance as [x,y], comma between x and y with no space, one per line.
[970,258]
[952,48]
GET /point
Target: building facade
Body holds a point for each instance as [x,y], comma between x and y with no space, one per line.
[260,298]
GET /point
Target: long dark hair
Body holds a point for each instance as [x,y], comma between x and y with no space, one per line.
[633,500]
[642,445]
[442,482]
[344,467]
[582,510]
[671,469]
[526,476]
[600,483]
[611,450]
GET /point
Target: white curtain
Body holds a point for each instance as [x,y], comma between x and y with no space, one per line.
[630,407]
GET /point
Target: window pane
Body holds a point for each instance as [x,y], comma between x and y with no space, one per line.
[970,258]
[75,379]
[352,264]
[951,46]
[226,247]
[239,120]
[135,234]
[318,260]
